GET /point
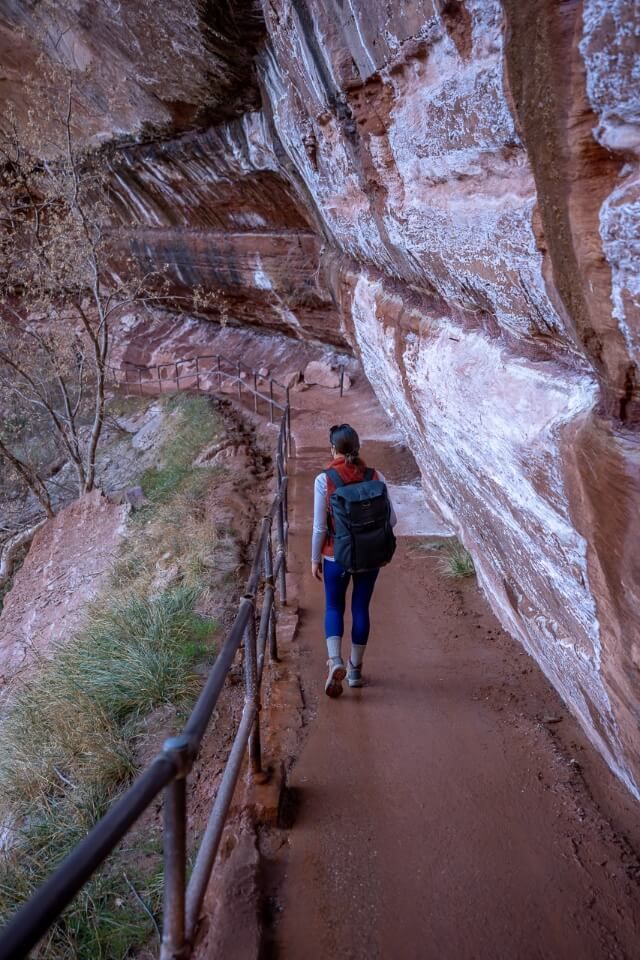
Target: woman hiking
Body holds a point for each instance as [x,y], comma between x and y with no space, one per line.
[352,538]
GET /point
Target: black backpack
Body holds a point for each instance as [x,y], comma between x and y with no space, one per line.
[360,521]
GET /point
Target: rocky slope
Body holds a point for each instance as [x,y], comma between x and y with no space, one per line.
[452,189]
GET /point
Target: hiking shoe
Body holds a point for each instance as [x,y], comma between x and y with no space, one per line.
[337,673]
[354,676]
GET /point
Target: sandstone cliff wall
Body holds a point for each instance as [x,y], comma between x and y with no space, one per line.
[451,189]
[474,169]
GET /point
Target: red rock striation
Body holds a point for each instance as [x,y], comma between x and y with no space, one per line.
[214,210]
[451,187]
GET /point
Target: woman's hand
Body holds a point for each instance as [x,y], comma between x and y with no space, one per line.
[316,571]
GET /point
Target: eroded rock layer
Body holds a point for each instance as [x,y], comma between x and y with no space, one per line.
[452,188]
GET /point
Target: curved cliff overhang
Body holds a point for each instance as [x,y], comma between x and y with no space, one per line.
[214,209]
[138,69]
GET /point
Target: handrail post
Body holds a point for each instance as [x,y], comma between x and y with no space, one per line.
[271,400]
[197,372]
[219,374]
[239,382]
[255,392]
[140,380]
[273,638]
[282,572]
[287,414]
[285,513]
[174,946]
[268,578]
[342,379]
[252,693]
[159,379]
[177,376]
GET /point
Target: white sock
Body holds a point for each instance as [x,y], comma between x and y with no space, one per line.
[334,648]
[357,653]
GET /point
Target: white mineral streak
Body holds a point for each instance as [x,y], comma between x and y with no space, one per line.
[332,181]
[260,278]
[620,233]
[463,194]
[609,46]
[132,201]
[288,317]
[185,178]
[485,428]
[258,153]
[366,63]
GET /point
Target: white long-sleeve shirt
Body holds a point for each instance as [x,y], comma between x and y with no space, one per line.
[320,531]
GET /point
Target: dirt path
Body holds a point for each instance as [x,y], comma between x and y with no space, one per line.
[443,812]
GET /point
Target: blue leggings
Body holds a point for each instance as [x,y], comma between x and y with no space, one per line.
[336,581]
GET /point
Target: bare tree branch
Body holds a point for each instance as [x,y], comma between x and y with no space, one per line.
[30,477]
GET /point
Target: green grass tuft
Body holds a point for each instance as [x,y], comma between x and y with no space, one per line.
[137,653]
[456,562]
[453,560]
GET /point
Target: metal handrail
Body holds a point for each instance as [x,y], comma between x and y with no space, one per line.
[154,375]
[256,630]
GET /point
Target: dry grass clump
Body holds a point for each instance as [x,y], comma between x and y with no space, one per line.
[178,540]
[172,538]
[172,534]
[68,749]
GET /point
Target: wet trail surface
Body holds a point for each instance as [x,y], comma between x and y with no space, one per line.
[451,809]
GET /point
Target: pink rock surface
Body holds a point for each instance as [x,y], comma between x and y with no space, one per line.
[69,561]
[463,165]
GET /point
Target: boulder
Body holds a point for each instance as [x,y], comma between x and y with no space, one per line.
[291,379]
[135,497]
[321,374]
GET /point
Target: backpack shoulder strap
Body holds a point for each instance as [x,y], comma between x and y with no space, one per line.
[369,473]
[336,479]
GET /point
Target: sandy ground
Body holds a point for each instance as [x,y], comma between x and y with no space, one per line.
[452,809]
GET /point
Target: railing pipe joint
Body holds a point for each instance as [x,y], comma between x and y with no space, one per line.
[182,751]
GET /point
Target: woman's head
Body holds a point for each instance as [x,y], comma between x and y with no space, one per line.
[345,441]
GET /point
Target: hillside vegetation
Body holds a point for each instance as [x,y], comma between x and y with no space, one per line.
[73,735]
